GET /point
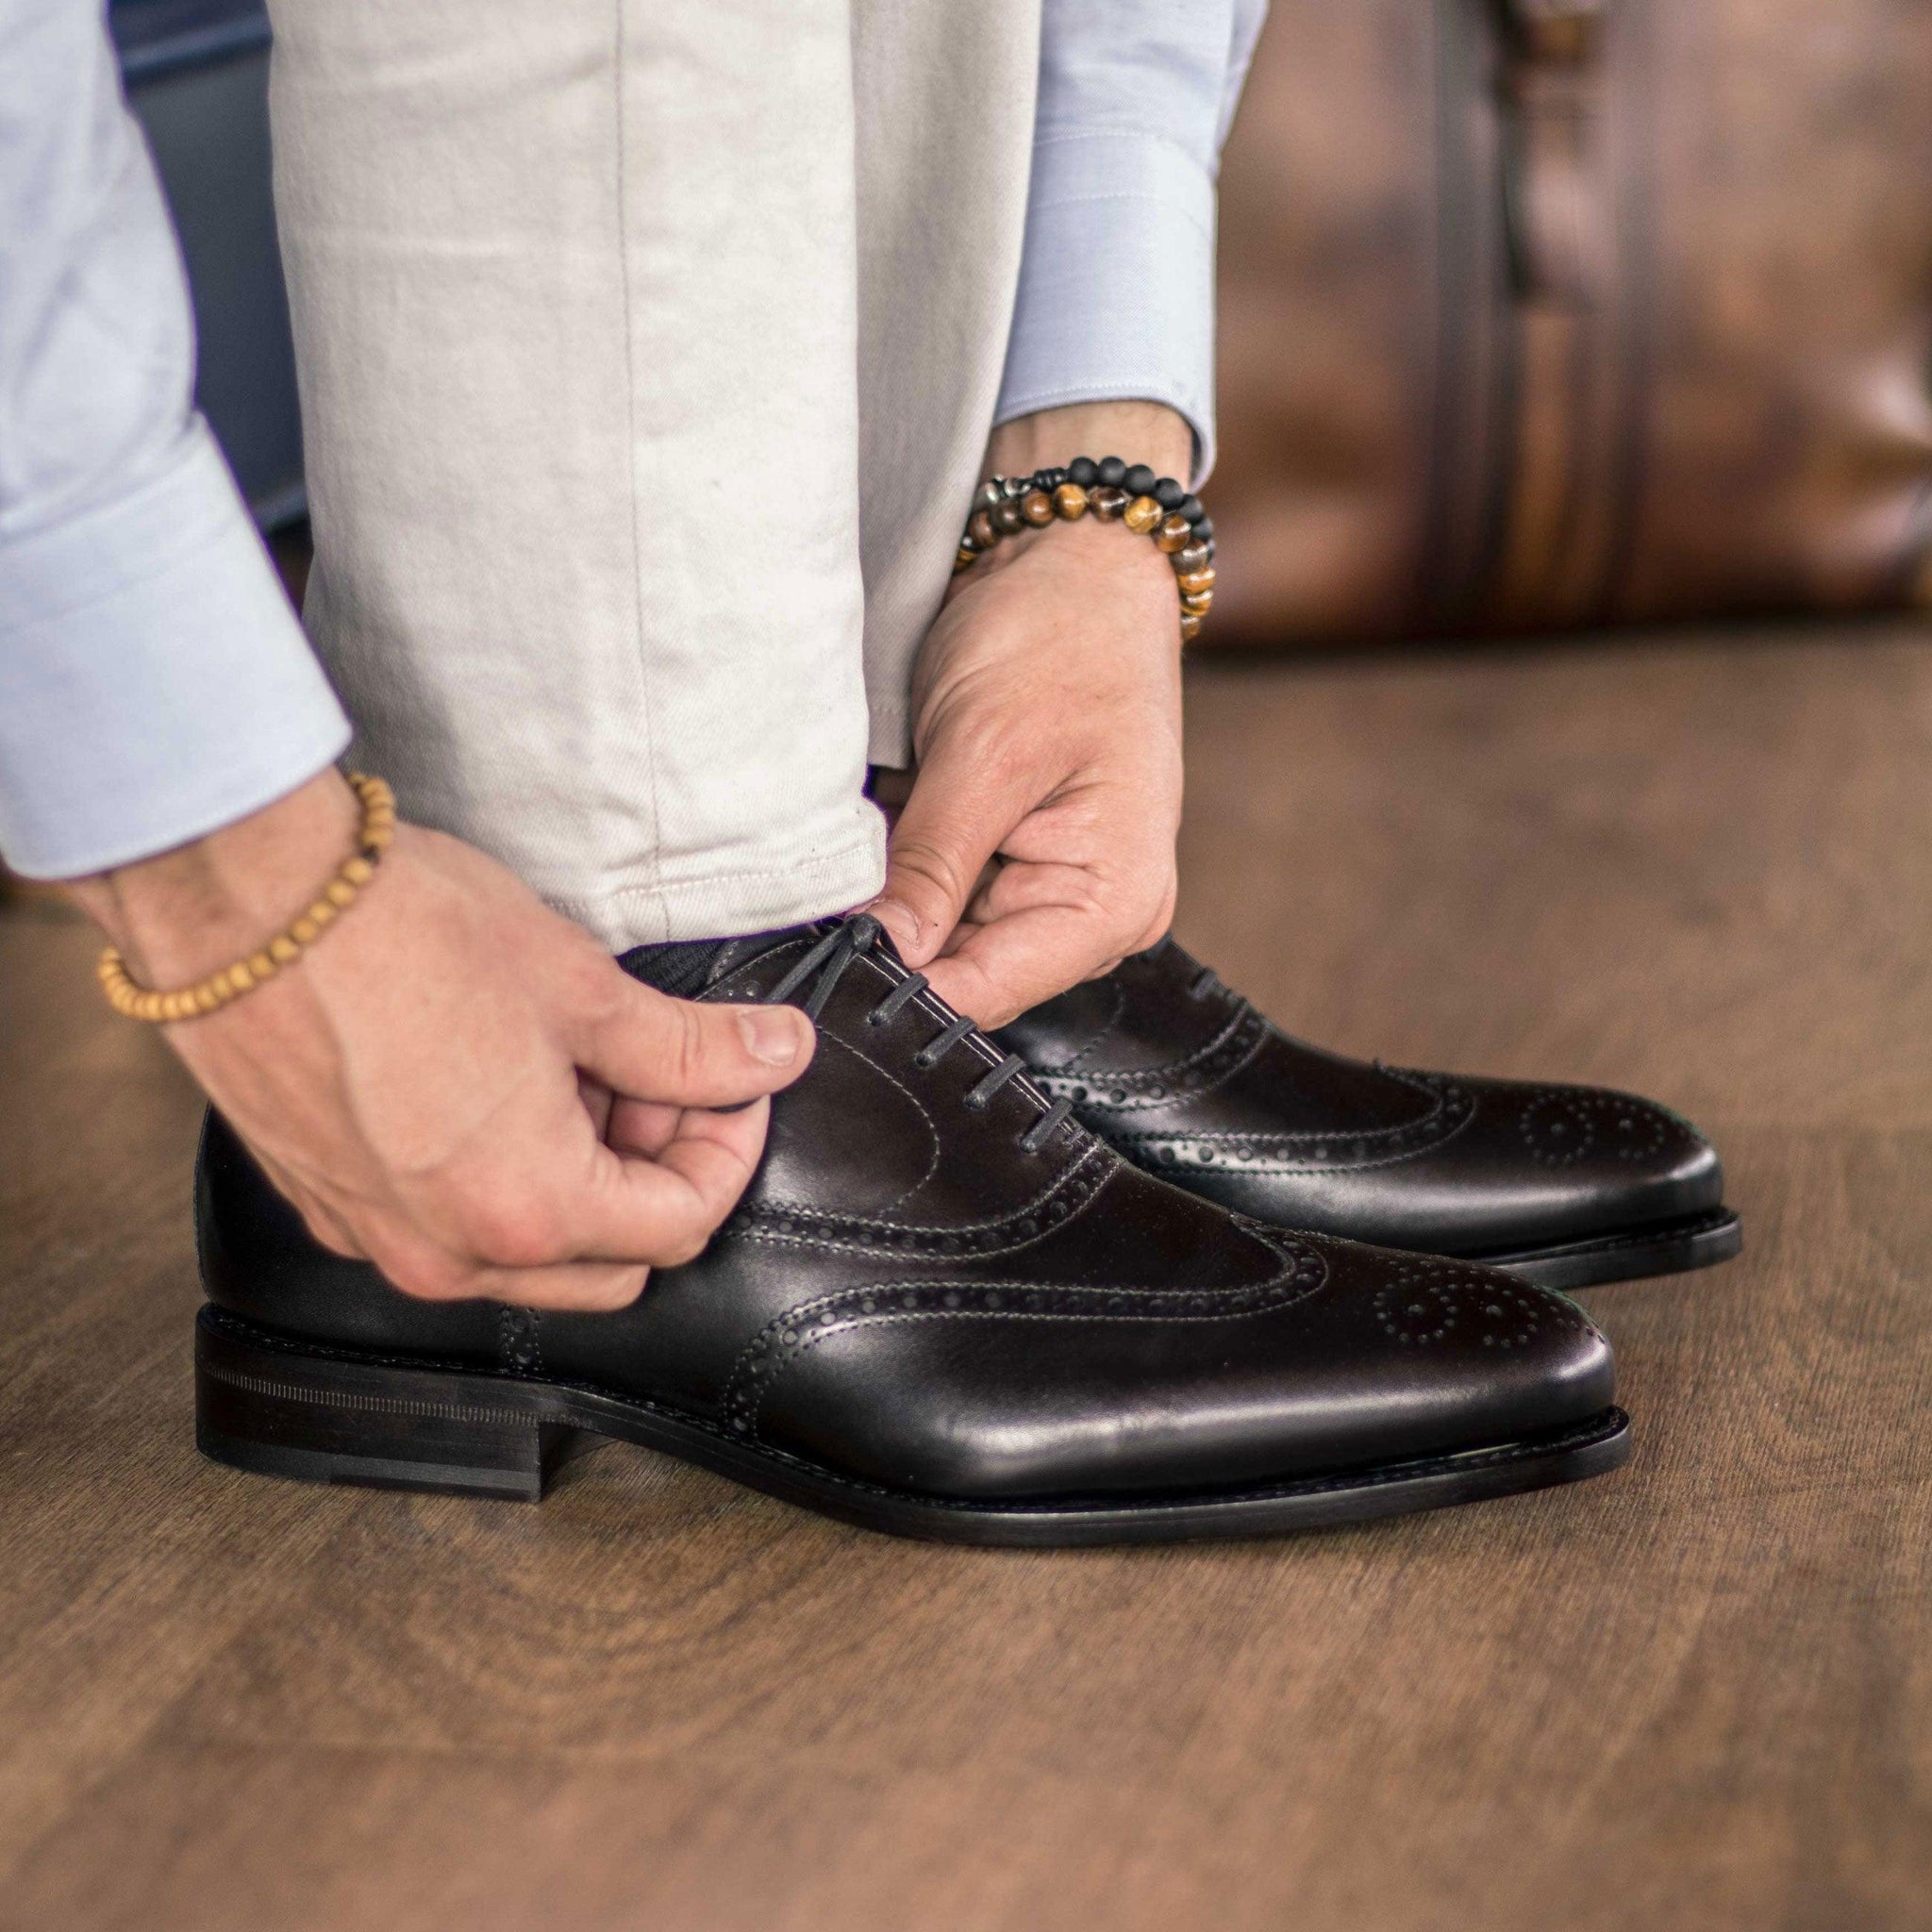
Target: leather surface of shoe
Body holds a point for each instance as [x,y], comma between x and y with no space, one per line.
[1562,1185]
[943,1307]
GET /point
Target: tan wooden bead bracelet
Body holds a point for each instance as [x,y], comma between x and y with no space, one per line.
[218,989]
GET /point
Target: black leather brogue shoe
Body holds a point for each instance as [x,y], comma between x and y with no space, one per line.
[942,1308]
[1562,1185]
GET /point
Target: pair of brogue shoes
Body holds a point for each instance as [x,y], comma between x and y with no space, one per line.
[1140,1267]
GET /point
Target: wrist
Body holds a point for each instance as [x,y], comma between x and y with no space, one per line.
[1088,546]
[190,911]
[1009,508]
[1149,433]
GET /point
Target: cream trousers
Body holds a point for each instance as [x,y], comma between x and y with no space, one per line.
[648,353]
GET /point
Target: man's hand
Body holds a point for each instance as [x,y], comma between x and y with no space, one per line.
[1047,728]
[455,1082]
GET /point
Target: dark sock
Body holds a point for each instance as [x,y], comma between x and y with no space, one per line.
[683,968]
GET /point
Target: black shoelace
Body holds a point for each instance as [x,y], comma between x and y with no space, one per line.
[858,935]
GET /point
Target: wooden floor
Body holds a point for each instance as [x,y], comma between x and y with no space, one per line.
[1695,1694]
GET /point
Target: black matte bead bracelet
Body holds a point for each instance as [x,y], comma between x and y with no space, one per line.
[1156,506]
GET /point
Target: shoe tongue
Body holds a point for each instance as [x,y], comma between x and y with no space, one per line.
[684,968]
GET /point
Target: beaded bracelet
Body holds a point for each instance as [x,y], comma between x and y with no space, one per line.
[206,997]
[1156,506]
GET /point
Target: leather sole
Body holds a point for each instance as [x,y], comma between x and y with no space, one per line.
[1669,1248]
[322,1415]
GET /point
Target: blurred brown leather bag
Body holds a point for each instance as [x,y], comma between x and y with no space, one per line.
[1539,313]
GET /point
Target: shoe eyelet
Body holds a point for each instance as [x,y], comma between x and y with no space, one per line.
[973,1105]
[873,1018]
[923,1062]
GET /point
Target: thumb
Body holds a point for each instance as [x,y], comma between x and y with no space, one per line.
[949,826]
[646,1045]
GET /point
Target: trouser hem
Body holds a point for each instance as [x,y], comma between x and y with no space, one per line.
[722,905]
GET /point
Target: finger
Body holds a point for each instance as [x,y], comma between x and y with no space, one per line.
[1131,899]
[1037,929]
[428,1270]
[665,1209]
[647,1046]
[590,1288]
[951,827]
[1002,969]
[598,1101]
[643,1127]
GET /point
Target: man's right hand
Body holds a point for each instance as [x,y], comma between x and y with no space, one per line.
[455,1082]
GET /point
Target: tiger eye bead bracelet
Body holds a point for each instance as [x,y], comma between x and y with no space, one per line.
[1114,490]
[210,995]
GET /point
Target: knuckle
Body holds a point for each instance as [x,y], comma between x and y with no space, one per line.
[616,1291]
[680,1243]
[690,1042]
[583,1289]
[603,997]
[431,1275]
[926,863]
[514,1231]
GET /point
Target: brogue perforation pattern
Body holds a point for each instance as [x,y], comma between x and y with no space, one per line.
[1425,1301]
[787,1338]
[1224,1055]
[1562,1128]
[1365,1147]
[519,1340]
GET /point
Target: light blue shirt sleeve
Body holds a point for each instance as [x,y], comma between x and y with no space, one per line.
[153,683]
[1116,295]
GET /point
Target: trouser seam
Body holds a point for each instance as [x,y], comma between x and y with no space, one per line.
[630,405]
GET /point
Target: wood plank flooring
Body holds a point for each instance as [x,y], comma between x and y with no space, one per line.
[1695,1694]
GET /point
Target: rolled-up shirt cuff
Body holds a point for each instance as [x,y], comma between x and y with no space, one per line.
[154,682]
[1116,295]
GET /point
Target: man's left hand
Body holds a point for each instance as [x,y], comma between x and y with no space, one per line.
[1037,846]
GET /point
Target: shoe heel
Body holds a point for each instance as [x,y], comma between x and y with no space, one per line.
[280,1411]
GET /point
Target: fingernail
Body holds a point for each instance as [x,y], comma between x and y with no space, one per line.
[771,1034]
[900,925]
